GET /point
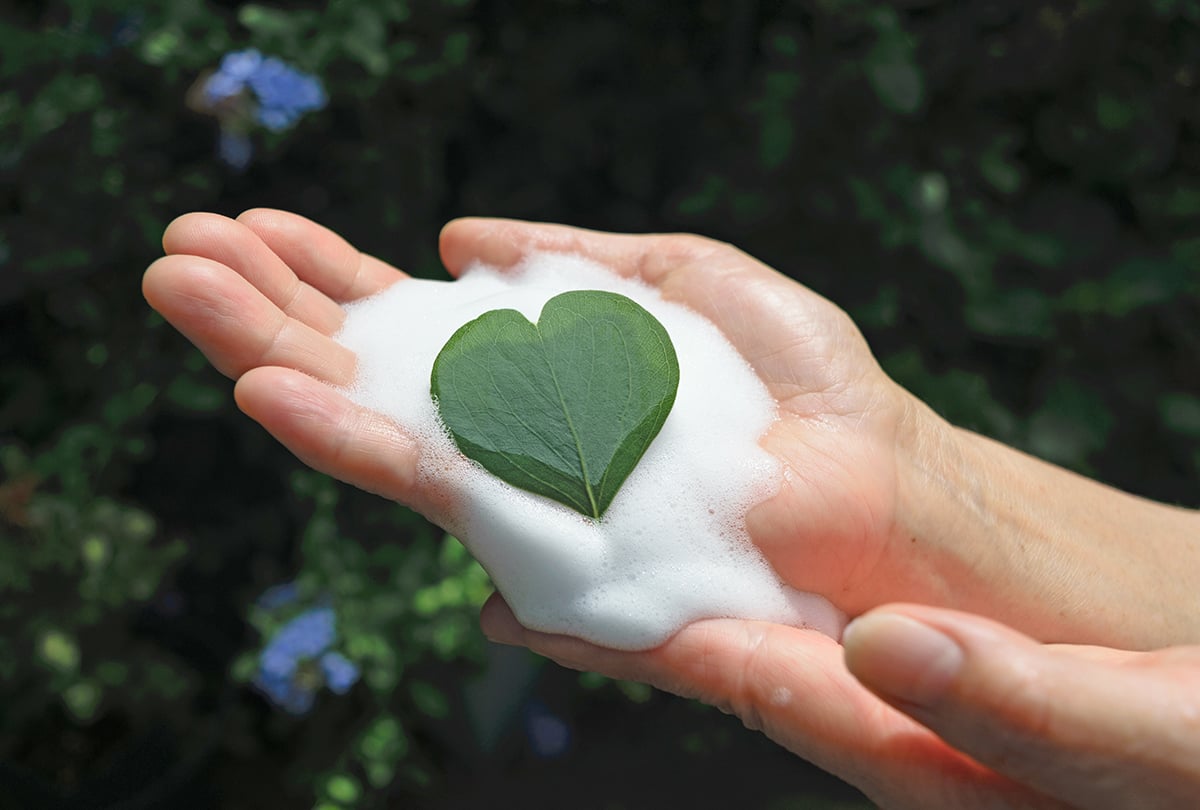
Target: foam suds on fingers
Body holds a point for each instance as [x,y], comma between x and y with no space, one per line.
[673,547]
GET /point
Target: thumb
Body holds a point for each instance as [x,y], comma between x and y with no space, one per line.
[1094,728]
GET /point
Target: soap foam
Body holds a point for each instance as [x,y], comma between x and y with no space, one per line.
[673,547]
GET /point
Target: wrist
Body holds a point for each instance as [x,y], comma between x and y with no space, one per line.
[935,484]
[1060,557]
[988,536]
[923,547]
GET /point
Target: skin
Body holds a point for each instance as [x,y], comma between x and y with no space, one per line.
[880,502]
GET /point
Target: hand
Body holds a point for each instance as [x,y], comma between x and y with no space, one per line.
[956,712]
[262,295]
[880,499]
[1090,726]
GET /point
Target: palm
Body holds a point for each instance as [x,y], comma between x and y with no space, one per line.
[832,519]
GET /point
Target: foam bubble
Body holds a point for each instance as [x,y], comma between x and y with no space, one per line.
[673,547]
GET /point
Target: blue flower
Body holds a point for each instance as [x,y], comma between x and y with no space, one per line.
[306,636]
[283,92]
[548,734]
[340,672]
[293,694]
[298,660]
[248,87]
[236,150]
[230,78]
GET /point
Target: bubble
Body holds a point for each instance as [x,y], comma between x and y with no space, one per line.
[673,547]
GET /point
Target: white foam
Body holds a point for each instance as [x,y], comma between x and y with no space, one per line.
[672,548]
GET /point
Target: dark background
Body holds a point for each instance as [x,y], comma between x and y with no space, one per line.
[1004,194]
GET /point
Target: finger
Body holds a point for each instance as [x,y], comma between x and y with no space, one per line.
[235,325]
[768,317]
[232,244]
[331,434]
[319,256]
[1091,732]
[792,684]
[502,243]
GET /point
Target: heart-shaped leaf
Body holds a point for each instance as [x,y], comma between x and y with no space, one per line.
[564,408]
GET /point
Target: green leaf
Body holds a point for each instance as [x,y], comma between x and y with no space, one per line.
[1114,113]
[265,21]
[564,408]
[1181,413]
[59,651]
[891,65]
[82,699]
[428,699]
[344,788]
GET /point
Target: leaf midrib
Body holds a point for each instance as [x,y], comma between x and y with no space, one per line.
[587,481]
[508,456]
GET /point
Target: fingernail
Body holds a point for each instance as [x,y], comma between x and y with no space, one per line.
[900,657]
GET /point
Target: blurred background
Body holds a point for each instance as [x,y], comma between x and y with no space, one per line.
[1005,194]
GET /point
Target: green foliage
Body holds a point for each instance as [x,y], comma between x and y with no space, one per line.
[891,65]
[1136,284]
[1003,194]
[1181,413]
[566,407]
[77,566]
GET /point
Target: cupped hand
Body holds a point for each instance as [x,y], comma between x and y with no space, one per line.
[262,296]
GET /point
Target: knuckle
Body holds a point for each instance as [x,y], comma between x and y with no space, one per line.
[752,688]
[671,250]
[690,247]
